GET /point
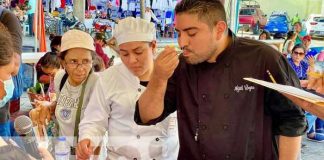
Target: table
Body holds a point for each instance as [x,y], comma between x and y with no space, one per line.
[31,57]
[277,42]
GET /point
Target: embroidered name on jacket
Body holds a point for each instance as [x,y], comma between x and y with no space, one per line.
[245,87]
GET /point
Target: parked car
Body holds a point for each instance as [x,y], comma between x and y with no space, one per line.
[252,18]
[315,25]
[278,23]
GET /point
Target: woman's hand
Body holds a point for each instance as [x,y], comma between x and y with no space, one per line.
[40,115]
[311,62]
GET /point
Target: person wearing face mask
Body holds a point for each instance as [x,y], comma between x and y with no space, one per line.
[10,21]
[9,150]
[7,64]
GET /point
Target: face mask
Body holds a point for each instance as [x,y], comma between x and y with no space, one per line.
[9,88]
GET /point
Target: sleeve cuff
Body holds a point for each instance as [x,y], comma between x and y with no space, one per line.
[95,140]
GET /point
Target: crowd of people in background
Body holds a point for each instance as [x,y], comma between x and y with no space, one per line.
[302,58]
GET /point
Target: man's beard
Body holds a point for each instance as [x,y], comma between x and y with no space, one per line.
[195,58]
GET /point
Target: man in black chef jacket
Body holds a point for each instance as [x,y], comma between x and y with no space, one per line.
[220,115]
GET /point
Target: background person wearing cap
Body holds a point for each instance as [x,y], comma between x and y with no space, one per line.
[112,106]
[72,85]
[307,41]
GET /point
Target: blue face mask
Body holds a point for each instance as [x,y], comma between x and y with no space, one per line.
[9,88]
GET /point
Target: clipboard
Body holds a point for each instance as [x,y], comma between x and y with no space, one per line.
[290,90]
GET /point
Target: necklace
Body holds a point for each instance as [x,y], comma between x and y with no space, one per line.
[72,90]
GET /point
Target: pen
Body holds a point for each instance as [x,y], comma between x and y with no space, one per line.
[271,77]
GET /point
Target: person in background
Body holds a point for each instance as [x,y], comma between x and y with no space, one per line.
[112,46]
[111,107]
[149,15]
[320,56]
[42,77]
[98,64]
[298,29]
[13,3]
[301,67]
[19,13]
[50,65]
[55,13]
[307,40]
[55,43]
[296,61]
[315,128]
[264,35]
[289,43]
[219,117]
[295,19]
[100,41]
[315,83]
[31,8]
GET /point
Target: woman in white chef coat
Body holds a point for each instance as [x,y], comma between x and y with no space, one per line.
[113,102]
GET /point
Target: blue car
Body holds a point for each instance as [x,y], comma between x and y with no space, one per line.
[277,24]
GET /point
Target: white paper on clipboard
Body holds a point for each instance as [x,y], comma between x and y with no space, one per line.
[290,90]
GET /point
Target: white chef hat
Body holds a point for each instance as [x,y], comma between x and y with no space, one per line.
[133,29]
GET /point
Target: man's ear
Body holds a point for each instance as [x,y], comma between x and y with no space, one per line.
[220,29]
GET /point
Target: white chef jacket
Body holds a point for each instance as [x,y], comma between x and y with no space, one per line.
[112,108]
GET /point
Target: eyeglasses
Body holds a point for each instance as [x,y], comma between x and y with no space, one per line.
[74,64]
[299,53]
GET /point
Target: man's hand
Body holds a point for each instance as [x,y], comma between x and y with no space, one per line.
[316,83]
[84,149]
[46,155]
[166,63]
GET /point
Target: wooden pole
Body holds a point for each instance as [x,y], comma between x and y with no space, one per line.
[142,2]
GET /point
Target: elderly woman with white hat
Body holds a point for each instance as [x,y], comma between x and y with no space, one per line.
[73,86]
[112,105]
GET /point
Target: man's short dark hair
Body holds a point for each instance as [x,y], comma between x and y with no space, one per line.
[209,11]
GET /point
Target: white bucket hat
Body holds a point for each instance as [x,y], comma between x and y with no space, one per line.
[77,39]
[133,29]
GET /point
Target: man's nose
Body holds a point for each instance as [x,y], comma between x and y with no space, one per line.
[183,41]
